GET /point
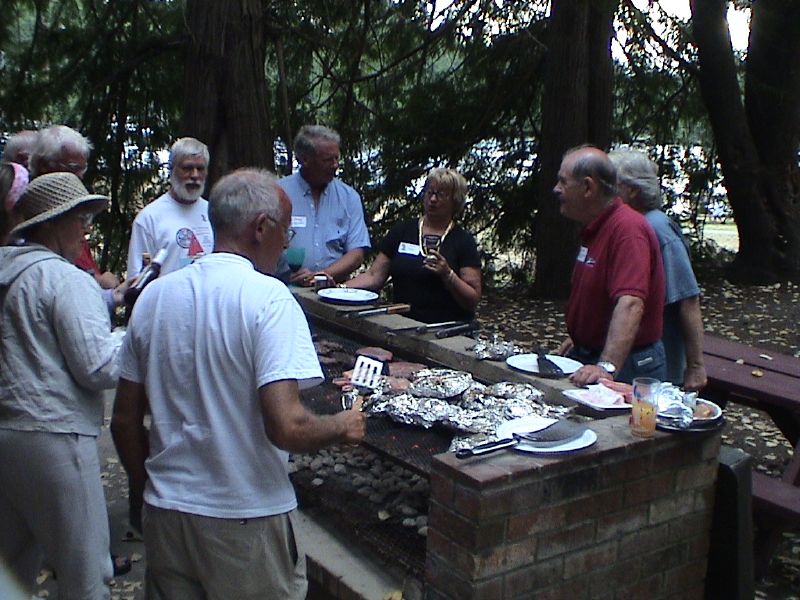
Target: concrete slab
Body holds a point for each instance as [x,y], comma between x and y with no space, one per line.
[340,568]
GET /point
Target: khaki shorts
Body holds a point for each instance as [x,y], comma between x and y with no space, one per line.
[191,556]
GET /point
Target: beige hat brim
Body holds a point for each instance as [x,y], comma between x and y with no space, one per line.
[97,201]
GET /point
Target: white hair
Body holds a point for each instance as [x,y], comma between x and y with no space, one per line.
[638,171]
[52,142]
[21,142]
[185,147]
[305,142]
[239,197]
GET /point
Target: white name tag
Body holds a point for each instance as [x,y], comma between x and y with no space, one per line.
[582,254]
[408,248]
[298,221]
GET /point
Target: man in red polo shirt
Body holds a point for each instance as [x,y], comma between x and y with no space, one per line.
[615,309]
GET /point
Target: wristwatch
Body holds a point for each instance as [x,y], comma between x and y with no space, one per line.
[607,366]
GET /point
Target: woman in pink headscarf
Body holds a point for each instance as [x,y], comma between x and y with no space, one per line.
[13,181]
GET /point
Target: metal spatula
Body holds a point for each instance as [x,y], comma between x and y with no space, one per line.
[366,373]
[365,378]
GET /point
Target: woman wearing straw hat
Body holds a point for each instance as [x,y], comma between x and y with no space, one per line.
[57,354]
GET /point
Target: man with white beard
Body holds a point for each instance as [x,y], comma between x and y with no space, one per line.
[178,220]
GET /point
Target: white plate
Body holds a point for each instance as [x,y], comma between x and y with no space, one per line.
[347,295]
[527,363]
[599,399]
[534,423]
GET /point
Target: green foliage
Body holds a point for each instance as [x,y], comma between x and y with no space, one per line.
[658,108]
[108,70]
[408,89]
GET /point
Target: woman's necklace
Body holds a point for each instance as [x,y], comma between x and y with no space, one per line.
[441,239]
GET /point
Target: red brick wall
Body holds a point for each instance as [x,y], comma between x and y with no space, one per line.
[625,519]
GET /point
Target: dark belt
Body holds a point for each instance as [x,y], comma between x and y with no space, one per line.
[585,351]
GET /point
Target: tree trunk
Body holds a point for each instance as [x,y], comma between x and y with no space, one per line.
[772,97]
[757,141]
[576,108]
[225,86]
[601,71]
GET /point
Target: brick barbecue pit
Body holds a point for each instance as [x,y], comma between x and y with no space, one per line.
[624,518]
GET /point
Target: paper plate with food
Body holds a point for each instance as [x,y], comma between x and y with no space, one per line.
[599,397]
[684,411]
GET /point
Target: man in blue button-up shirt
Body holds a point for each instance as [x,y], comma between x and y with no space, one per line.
[327,215]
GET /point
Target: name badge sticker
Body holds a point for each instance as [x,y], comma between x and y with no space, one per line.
[298,221]
[409,248]
[582,254]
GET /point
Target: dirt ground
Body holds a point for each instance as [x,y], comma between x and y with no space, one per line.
[765,316]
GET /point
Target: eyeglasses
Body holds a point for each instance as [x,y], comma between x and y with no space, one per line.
[437,193]
[288,232]
[85,219]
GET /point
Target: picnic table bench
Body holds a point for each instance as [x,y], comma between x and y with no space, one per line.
[767,381]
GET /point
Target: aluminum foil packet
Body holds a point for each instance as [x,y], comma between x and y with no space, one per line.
[509,390]
[475,410]
[676,407]
[440,383]
[494,348]
[412,410]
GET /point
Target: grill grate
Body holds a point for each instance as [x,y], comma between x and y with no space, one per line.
[411,447]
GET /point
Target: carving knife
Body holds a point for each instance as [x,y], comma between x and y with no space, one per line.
[464,328]
[391,309]
[423,328]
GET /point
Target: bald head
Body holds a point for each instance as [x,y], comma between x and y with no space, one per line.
[586,183]
[588,161]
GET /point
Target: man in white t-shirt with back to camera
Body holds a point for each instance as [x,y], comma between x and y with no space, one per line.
[218,352]
[178,220]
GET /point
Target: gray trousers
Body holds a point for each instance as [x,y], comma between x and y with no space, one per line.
[52,506]
[192,557]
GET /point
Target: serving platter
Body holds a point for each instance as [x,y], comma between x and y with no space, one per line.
[700,427]
[338,295]
[528,363]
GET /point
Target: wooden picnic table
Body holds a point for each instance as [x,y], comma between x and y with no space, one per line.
[756,377]
[767,381]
